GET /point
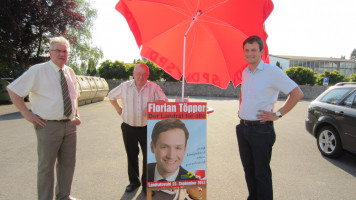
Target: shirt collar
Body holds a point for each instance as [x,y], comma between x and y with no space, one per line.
[260,66]
[132,84]
[55,67]
[170,178]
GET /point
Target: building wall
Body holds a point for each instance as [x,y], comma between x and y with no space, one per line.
[319,66]
[284,63]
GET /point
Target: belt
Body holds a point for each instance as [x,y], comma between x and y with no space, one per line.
[254,123]
[62,120]
[134,126]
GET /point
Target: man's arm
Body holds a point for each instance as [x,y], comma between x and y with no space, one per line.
[19,103]
[116,105]
[76,116]
[294,96]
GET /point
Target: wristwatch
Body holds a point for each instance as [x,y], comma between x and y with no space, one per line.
[278,114]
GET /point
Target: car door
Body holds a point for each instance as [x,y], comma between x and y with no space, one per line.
[348,122]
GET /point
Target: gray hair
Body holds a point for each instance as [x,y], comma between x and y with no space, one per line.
[60,40]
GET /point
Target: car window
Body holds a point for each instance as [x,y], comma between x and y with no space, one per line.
[350,101]
[335,95]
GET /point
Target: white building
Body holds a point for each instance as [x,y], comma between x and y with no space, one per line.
[317,64]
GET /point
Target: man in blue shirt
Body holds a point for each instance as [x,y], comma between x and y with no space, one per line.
[260,87]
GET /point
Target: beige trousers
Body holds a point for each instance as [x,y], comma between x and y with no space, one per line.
[56,142]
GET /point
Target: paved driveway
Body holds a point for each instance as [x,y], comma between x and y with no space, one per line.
[299,171]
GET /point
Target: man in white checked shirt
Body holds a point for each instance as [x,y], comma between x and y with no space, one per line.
[53,91]
[134,95]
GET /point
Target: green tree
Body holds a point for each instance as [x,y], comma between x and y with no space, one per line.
[334,77]
[155,71]
[130,68]
[352,78]
[279,64]
[26,27]
[76,69]
[83,68]
[302,75]
[113,70]
[168,77]
[91,67]
[82,48]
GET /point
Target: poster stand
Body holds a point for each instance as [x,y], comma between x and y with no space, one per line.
[186,163]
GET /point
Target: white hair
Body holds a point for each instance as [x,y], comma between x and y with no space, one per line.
[60,40]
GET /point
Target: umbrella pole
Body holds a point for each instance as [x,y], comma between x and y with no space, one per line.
[185,39]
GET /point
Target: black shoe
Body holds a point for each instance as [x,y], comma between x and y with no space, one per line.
[131,187]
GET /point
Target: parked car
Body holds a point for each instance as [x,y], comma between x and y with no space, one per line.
[332,120]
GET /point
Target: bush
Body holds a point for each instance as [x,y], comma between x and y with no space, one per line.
[302,75]
[155,71]
[168,77]
[334,77]
[113,70]
[352,78]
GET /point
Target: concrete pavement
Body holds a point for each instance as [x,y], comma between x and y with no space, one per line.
[299,171]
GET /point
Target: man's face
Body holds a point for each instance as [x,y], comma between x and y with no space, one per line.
[169,151]
[140,76]
[252,53]
[59,54]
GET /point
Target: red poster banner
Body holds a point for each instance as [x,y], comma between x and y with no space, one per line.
[176,138]
[179,110]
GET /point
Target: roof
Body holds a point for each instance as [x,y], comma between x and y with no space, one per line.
[313,58]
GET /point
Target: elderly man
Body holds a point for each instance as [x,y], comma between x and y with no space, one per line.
[53,91]
[134,95]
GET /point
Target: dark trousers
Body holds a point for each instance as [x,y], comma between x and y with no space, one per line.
[255,146]
[133,136]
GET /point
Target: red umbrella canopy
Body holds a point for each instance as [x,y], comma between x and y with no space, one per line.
[214,43]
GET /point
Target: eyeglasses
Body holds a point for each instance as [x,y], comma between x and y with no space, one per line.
[142,75]
[59,51]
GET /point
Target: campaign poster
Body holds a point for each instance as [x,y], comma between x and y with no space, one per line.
[176,144]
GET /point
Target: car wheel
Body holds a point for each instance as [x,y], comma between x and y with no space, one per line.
[329,142]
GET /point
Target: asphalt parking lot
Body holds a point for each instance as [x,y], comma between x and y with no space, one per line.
[299,171]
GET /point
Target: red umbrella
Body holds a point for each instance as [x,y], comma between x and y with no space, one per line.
[202,37]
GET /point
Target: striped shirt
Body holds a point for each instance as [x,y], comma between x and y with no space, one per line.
[134,103]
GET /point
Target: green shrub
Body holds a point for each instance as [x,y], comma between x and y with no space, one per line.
[352,78]
[113,70]
[168,77]
[334,77]
[302,75]
[155,71]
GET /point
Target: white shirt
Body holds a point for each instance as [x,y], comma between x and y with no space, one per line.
[42,83]
[260,89]
[158,176]
[134,102]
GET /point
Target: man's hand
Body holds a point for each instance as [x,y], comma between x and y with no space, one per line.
[117,107]
[119,110]
[266,116]
[77,121]
[28,115]
[34,119]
